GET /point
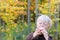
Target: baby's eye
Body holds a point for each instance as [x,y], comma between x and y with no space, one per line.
[45,24]
[40,23]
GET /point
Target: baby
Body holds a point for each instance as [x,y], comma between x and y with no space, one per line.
[43,24]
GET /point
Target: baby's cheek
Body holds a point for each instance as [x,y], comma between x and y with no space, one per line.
[46,28]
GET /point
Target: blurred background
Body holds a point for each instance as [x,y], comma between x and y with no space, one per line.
[18,17]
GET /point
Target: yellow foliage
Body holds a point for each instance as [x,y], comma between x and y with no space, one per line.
[46,8]
[52,1]
[31,7]
[17,8]
[2,30]
[7,30]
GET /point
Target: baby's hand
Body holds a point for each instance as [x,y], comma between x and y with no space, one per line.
[45,33]
[40,31]
[37,32]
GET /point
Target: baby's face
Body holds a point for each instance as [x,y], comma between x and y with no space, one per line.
[43,24]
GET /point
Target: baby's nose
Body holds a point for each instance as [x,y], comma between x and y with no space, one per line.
[42,25]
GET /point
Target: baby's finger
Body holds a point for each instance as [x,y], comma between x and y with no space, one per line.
[44,31]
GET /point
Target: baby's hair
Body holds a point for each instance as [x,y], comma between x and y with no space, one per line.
[45,18]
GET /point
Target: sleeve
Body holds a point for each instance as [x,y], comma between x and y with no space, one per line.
[30,37]
[50,38]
